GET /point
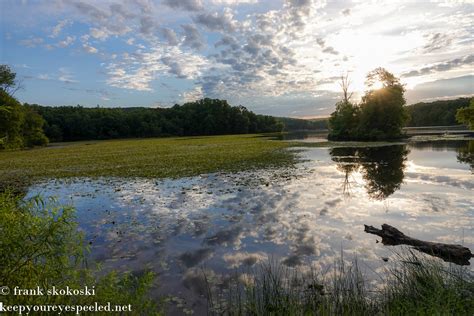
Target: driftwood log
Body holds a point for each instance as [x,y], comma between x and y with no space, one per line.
[450,253]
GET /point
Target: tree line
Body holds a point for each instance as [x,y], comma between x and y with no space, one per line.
[203,117]
[28,125]
[436,113]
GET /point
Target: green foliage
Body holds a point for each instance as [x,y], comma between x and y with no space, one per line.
[382,113]
[203,117]
[11,121]
[20,126]
[380,116]
[33,134]
[344,121]
[41,246]
[7,78]
[466,115]
[427,287]
[437,113]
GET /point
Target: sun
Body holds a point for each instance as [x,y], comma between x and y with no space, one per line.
[376,85]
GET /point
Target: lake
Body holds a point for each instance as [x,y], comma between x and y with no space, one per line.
[302,217]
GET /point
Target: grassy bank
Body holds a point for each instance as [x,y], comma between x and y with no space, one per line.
[414,285]
[151,158]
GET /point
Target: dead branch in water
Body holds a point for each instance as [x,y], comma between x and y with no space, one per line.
[448,252]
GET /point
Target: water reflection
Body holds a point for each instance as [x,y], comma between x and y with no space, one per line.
[465,154]
[381,167]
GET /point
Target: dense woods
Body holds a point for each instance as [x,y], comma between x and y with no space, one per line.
[437,113]
[203,117]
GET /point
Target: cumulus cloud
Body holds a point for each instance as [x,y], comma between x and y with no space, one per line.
[67,41]
[233,2]
[217,22]
[193,95]
[188,5]
[170,36]
[136,71]
[286,50]
[192,37]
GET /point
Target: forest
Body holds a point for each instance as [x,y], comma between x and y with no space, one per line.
[203,117]
[436,113]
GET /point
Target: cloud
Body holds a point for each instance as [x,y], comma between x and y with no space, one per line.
[58,28]
[233,2]
[170,36]
[441,67]
[136,71]
[31,42]
[441,89]
[437,41]
[89,49]
[193,95]
[192,37]
[187,5]
[330,50]
[100,34]
[67,41]
[147,25]
[216,21]
[65,76]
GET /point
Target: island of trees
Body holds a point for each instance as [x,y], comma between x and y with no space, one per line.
[381,114]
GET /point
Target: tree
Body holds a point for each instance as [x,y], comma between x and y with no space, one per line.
[19,125]
[11,120]
[343,122]
[382,112]
[466,115]
[7,79]
[33,134]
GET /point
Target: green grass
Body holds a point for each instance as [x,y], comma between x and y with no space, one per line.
[150,158]
[414,285]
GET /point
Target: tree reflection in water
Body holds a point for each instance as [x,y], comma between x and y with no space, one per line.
[381,167]
[465,154]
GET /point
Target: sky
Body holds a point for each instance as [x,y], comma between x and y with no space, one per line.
[282,58]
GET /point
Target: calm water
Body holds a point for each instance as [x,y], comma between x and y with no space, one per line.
[303,217]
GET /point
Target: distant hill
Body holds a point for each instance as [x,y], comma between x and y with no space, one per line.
[437,113]
[294,124]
